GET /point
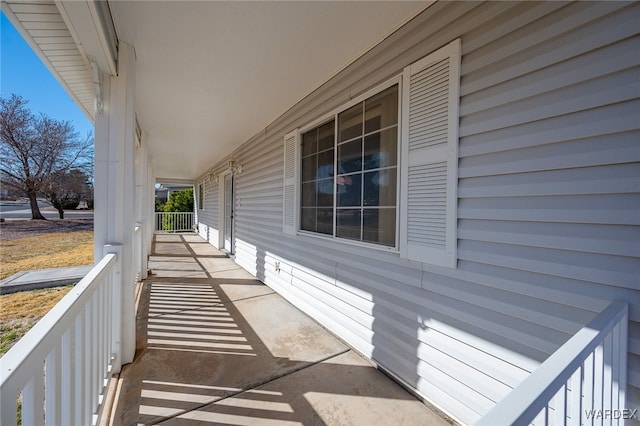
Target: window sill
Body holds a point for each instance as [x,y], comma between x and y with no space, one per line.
[344,241]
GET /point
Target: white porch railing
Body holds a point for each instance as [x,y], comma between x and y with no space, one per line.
[174,221]
[138,261]
[62,365]
[583,381]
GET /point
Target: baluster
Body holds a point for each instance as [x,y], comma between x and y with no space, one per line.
[53,387]
[32,402]
[598,381]
[88,366]
[68,370]
[560,406]
[108,311]
[575,400]
[102,353]
[623,342]
[79,365]
[587,401]
[607,387]
[541,418]
[615,371]
[9,409]
[95,367]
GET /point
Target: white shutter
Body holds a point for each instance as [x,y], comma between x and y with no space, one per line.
[290,194]
[429,163]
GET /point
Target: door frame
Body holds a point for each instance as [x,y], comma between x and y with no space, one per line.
[221,212]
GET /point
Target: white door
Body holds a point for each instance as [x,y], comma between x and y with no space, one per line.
[228,213]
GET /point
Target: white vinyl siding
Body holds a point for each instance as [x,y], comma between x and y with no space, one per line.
[207,218]
[430,157]
[547,216]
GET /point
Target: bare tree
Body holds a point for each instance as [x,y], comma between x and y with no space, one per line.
[34,148]
[65,190]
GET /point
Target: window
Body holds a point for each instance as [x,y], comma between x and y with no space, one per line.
[349,178]
[377,166]
[201,196]
[318,148]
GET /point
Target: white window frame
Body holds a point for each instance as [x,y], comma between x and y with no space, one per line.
[201,191]
[333,115]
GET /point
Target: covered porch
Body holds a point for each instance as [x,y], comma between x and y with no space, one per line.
[526,312]
[217,346]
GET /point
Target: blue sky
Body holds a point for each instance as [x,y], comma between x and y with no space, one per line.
[22,73]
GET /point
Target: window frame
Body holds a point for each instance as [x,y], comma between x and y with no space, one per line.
[333,115]
[201,191]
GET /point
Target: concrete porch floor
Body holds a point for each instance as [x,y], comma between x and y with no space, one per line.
[217,346]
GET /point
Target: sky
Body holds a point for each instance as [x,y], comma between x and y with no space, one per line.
[22,73]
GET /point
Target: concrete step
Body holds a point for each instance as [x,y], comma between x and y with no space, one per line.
[43,278]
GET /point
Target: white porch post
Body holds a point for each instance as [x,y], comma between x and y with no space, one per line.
[115,184]
[151,202]
[143,203]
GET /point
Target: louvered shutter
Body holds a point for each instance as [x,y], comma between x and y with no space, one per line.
[290,194]
[429,165]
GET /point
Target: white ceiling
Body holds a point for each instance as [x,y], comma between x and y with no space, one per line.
[210,75]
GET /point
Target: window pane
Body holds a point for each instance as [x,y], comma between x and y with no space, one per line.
[381,149]
[325,160]
[350,123]
[350,157]
[325,136]
[379,226]
[308,219]
[349,190]
[309,142]
[309,194]
[348,223]
[324,189]
[380,188]
[325,221]
[381,110]
[309,168]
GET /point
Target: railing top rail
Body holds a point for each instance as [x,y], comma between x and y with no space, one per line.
[18,364]
[522,402]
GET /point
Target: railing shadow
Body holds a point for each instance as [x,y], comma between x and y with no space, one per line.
[216,346]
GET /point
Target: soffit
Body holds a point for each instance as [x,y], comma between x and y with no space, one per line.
[44,29]
[211,75]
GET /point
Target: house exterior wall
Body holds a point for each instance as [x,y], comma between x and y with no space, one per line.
[207,218]
[549,172]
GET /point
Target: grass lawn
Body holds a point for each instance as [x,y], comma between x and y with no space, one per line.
[46,251]
[20,311]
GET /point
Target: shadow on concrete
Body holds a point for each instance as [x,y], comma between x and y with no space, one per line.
[216,346]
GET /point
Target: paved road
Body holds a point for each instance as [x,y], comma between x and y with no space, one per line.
[14,210]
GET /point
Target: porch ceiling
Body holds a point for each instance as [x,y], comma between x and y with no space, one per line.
[210,75]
